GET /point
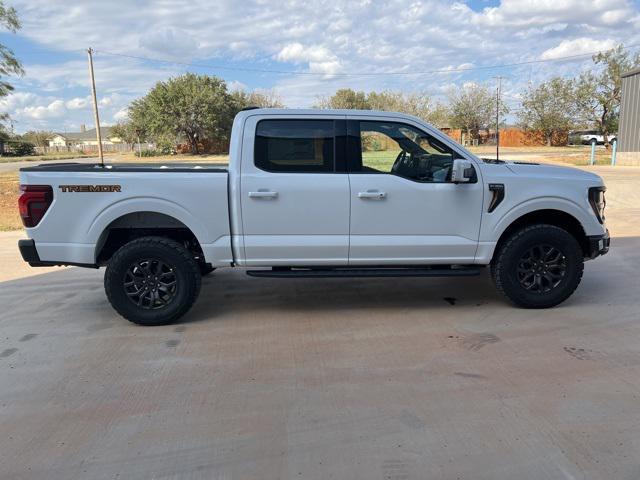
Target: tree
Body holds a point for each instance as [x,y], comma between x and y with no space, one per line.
[473,108]
[549,107]
[23,149]
[345,98]
[127,132]
[196,107]
[598,94]
[417,104]
[9,64]
[262,99]
[40,138]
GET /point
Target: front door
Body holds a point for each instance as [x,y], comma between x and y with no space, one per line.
[294,200]
[404,208]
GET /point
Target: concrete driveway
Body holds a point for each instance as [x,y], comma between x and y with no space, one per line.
[337,378]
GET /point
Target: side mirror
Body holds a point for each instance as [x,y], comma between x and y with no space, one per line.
[462,171]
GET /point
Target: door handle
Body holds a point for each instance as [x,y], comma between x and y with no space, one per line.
[372,194]
[263,194]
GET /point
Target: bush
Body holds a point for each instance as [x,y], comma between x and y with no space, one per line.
[166,148]
[371,143]
[22,149]
[148,153]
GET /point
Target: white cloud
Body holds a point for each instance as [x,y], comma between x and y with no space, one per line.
[296,52]
[121,115]
[327,39]
[16,100]
[77,103]
[577,46]
[170,43]
[545,12]
[235,85]
[54,109]
[319,58]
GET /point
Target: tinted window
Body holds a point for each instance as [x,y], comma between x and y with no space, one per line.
[295,146]
[403,150]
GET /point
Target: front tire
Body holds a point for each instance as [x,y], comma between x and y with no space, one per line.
[152,281]
[539,266]
[205,268]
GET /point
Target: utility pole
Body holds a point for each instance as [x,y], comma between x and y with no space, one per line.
[95,105]
[498,88]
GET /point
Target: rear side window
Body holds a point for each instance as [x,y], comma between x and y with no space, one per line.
[295,146]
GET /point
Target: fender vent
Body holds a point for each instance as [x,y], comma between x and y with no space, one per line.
[498,195]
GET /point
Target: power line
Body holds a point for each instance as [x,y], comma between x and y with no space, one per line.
[352,74]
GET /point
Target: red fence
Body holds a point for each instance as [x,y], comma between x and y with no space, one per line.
[512,137]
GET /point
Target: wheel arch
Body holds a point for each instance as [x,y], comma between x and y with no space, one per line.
[137,224]
[548,216]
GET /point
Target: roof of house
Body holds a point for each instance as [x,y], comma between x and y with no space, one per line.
[105,132]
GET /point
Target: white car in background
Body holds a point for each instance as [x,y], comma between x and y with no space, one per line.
[587,137]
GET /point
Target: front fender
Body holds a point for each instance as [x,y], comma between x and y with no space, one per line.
[493,229]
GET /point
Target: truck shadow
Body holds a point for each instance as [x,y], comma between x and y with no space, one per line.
[227,292]
[74,294]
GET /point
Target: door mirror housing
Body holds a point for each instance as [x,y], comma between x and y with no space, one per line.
[462,171]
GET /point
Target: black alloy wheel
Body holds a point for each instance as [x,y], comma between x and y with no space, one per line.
[541,268]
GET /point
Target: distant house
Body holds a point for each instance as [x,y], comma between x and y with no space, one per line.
[83,137]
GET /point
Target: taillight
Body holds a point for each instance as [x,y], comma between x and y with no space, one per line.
[33,203]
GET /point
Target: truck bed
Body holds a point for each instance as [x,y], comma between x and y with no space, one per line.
[73,227]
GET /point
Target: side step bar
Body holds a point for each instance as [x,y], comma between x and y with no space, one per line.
[280,272]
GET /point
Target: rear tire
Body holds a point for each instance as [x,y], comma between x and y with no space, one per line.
[539,266]
[152,281]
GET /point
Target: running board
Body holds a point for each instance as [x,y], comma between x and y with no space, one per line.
[364,272]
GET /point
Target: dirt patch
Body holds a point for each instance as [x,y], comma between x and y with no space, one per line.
[479,340]
[9,216]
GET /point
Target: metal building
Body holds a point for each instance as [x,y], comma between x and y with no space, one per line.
[629,129]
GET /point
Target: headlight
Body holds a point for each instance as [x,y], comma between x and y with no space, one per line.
[597,201]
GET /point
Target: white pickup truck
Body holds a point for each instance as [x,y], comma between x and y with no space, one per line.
[316,193]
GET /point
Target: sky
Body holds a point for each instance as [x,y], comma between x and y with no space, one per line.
[301,50]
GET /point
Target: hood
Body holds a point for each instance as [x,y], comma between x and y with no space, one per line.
[552,171]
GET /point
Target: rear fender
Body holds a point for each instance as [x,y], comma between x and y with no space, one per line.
[145,204]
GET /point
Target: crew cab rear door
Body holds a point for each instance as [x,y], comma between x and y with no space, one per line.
[404,208]
[294,191]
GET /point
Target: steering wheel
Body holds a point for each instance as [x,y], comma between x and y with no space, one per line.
[398,161]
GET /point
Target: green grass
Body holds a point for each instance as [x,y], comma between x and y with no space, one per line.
[380,160]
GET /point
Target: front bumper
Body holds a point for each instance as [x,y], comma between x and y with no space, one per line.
[30,255]
[598,245]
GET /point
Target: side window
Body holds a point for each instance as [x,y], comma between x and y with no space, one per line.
[295,146]
[403,150]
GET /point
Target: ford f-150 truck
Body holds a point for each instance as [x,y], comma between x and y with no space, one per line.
[316,193]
